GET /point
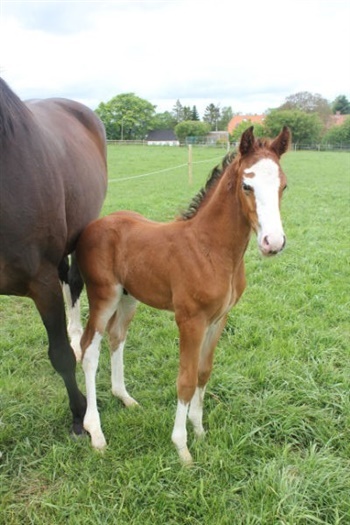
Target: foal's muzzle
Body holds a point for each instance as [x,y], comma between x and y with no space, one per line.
[272,244]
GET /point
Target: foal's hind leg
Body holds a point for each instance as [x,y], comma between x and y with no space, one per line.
[103,304]
[47,295]
[204,370]
[117,329]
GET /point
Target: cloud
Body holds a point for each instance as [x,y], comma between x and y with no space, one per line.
[246,55]
[57,18]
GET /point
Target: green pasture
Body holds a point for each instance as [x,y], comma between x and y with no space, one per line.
[277,409]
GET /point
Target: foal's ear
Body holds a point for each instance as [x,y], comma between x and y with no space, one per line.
[247,141]
[281,143]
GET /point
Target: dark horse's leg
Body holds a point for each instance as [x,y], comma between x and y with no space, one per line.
[47,295]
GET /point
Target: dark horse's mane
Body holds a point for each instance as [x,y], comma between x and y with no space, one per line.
[13,111]
[213,179]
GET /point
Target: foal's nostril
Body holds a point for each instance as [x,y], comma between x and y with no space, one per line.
[271,245]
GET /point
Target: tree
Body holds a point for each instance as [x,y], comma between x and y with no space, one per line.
[306,128]
[178,112]
[187,113]
[195,114]
[191,128]
[308,103]
[226,116]
[342,105]
[164,121]
[212,116]
[259,130]
[126,117]
[304,101]
[110,121]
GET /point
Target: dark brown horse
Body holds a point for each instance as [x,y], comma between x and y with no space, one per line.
[192,266]
[53,183]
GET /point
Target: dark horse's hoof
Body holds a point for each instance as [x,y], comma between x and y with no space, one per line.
[78,430]
[78,416]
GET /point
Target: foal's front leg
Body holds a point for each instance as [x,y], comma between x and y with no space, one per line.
[195,413]
[191,337]
[205,366]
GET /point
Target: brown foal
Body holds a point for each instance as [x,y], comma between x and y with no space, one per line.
[192,266]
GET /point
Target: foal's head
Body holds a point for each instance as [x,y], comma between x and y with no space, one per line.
[262,182]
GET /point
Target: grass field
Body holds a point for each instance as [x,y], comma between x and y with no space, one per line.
[277,407]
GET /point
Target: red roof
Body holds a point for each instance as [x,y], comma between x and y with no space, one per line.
[235,121]
[337,119]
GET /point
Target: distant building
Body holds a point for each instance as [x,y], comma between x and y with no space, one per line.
[162,137]
[336,120]
[238,119]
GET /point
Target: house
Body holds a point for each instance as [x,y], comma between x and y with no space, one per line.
[162,137]
[336,120]
[238,119]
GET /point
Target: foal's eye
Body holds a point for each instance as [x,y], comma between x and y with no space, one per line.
[246,187]
[285,188]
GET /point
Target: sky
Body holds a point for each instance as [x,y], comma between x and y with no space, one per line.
[246,54]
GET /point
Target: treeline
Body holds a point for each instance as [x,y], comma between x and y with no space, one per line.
[309,116]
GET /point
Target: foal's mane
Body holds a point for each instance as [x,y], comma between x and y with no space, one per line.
[212,181]
[13,111]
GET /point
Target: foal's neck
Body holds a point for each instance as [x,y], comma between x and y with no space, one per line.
[221,218]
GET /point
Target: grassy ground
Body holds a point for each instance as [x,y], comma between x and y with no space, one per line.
[277,409]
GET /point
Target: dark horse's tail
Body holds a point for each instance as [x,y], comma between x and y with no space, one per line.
[12,111]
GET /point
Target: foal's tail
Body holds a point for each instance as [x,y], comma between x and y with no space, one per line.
[73,284]
[70,274]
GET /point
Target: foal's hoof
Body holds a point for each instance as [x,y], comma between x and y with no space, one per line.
[99,443]
[200,433]
[185,457]
[130,402]
[97,438]
[127,400]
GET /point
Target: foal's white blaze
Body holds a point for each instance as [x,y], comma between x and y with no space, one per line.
[265,183]
[92,421]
